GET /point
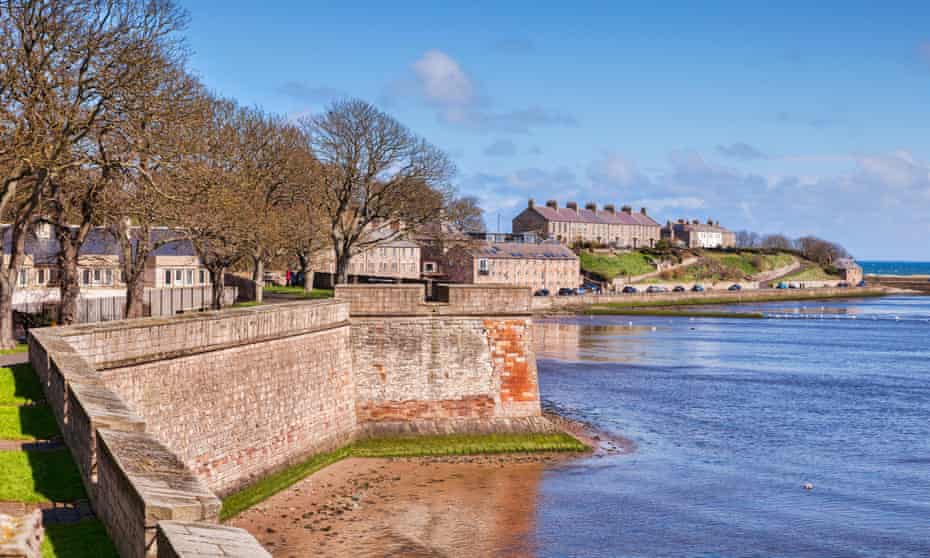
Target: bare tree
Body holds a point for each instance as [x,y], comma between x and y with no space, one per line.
[63,65]
[747,239]
[466,214]
[823,252]
[777,242]
[380,179]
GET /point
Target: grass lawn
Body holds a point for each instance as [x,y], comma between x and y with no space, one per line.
[39,476]
[19,348]
[27,423]
[750,263]
[87,539]
[19,385]
[610,266]
[458,444]
[812,273]
[299,292]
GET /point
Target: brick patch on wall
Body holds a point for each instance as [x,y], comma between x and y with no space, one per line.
[511,354]
[477,407]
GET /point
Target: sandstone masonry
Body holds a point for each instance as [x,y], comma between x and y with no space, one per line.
[163,414]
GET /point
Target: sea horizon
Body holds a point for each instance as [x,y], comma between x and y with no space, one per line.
[895,267]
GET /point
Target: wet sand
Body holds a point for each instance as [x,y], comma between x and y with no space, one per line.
[419,507]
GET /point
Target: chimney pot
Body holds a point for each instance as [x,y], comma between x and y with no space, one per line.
[626,209]
[572,205]
[530,204]
[553,204]
[609,208]
[642,210]
[591,206]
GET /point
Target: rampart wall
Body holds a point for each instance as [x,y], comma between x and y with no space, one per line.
[163,414]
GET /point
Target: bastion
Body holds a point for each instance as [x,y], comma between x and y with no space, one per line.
[165,416]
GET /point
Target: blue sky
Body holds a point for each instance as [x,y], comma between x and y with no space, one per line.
[793,117]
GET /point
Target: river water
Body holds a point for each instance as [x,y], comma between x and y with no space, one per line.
[731,418]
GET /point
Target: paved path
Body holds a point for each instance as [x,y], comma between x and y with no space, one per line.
[15,358]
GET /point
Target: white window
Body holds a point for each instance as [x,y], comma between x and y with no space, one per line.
[87,277]
[167,276]
[108,277]
[40,276]
[203,276]
[177,276]
[189,277]
[23,276]
[483,266]
[96,276]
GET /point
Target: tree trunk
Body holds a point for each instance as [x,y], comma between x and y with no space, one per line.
[216,277]
[305,271]
[135,296]
[7,335]
[70,287]
[308,280]
[258,277]
[342,266]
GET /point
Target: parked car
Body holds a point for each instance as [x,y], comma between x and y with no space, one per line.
[541,292]
[679,289]
[862,284]
[842,285]
[654,289]
[565,291]
[629,289]
[735,287]
[698,288]
[581,291]
[782,285]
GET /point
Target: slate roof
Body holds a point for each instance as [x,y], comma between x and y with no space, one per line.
[596,217]
[519,250]
[700,227]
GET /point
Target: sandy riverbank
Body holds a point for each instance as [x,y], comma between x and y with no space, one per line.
[444,506]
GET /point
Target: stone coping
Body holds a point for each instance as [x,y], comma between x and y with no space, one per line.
[178,539]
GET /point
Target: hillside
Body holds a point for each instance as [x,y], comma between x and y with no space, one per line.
[611,266]
[716,266]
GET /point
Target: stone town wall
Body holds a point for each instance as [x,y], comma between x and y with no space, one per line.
[160,414]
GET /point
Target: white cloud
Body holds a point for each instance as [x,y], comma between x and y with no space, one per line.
[616,170]
[898,170]
[443,81]
[662,204]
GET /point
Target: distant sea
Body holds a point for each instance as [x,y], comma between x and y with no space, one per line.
[895,268]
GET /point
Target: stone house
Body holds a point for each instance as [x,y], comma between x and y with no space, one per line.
[849,270]
[173,264]
[606,226]
[694,234]
[548,265]
[395,259]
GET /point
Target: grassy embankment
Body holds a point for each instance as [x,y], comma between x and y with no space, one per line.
[298,292]
[399,447]
[42,476]
[724,266]
[812,273]
[19,348]
[611,266]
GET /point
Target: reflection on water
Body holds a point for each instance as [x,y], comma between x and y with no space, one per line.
[587,339]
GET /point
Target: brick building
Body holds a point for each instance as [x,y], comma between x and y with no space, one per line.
[548,265]
[850,271]
[694,234]
[606,226]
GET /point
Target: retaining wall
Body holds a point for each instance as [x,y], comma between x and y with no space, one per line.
[162,414]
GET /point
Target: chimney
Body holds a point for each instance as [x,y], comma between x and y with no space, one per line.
[681,221]
[530,204]
[572,205]
[552,204]
[609,208]
[695,222]
[642,210]
[626,209]
[710,221]
[591,206]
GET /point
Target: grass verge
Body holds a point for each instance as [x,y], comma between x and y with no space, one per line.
[87,539]
[19,348]
[598,311]
[457,444]
[19,385]
[27,423]
[39,476]
[299,292]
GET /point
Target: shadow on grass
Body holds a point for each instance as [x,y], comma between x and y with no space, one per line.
[19,384]
[34,422]
[39,476]
[87,539]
